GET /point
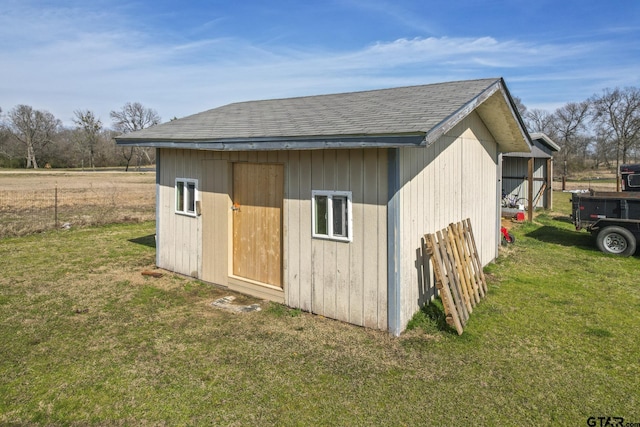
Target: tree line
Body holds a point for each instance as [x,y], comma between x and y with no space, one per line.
[603,130]
[31,138]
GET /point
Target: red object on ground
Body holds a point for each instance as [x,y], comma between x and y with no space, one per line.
[506,236]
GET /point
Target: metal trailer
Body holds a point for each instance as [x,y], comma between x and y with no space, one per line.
[612,217]
[630,176]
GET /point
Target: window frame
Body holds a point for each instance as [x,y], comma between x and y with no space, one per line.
[631,177]
[185,197]
[347,195]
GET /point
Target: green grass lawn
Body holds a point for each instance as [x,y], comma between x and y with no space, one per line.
[86,339]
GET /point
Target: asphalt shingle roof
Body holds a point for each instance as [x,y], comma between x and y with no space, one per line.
[414,109]
[397,112]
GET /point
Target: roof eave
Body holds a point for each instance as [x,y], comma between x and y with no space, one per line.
[450,122]
[283,143]
[522,128]
[510,135]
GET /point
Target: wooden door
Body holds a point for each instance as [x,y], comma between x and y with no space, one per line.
[257,221]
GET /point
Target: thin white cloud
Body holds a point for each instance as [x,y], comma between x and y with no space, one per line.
[394,11]
[66,59]
[484,51]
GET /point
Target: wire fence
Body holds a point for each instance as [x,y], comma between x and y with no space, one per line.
[28,212]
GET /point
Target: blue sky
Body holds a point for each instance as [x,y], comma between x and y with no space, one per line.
[183,57]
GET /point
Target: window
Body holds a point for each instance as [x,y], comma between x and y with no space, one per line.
[186,196]
[634,181]
[331,211]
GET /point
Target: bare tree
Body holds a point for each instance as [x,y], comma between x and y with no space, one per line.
[4,139]
[604,146]
[538,120]
[10,148]
[63,153]
[4,134]
[569,126]
[133,117]
[34,129]
[617,113]
[90,126]
[522,109]
[108,153]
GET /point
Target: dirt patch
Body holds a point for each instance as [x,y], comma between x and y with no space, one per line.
[227,303]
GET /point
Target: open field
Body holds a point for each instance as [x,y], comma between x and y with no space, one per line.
[601,179]
[86,339]
[44,179]
[597,184]
[34,201]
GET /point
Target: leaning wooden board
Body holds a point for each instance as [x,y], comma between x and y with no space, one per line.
[450,310]
[458,271]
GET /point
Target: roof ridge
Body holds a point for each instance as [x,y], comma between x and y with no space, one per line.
[488,79]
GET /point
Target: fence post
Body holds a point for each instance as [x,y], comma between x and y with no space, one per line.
[56,206]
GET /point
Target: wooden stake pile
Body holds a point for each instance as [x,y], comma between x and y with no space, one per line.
[458,271]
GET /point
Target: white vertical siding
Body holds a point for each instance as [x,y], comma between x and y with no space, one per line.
[329,273]
[453,179]
[216,205]
[345,307]
[345,281]
[180,238]
[291,262]
[299,235]
[356,258]
[382,175]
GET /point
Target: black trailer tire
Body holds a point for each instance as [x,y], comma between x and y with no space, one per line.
[616,240]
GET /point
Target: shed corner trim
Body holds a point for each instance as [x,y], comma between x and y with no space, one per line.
[394,308]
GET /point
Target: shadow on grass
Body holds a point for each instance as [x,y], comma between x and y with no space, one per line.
[431,316]
[563,237]
[567,237]
[566,219]
[149,240]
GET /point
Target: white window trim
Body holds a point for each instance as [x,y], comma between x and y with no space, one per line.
[329,235]
[196,197]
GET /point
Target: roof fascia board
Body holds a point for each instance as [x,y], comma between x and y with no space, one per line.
[450,122]
[515,113]
[536,152]
[498,86]
[260,144]
[545,140]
